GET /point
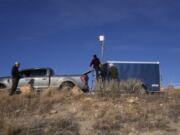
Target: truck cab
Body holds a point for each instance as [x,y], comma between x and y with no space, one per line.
[38,77]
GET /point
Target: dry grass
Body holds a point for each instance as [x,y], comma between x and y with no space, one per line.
[115,89]
[59,113]
[22,114]
[39,126]
[108,122]
[145,113]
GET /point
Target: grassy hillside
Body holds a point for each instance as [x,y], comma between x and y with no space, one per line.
[60,113]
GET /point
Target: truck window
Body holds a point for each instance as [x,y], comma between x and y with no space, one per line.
[25,73]
[38,73]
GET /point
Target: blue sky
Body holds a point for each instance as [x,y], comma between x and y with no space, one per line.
[62,34]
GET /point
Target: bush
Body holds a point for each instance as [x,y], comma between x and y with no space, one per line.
[131,86]
[115,88]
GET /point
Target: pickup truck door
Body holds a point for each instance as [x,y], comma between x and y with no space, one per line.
[41,82]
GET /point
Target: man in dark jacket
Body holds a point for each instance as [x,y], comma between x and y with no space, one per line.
[15,77]
[95,62]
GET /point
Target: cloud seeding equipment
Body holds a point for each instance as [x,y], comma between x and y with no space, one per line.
[101,40]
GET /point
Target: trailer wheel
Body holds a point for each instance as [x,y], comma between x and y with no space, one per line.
[144,89]
[67,86]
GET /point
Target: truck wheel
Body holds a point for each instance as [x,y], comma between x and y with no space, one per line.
[2,86]
[67,86]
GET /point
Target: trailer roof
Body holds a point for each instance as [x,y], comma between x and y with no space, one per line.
[134,62]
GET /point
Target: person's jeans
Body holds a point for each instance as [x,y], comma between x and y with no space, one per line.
[14,85]
[98,72]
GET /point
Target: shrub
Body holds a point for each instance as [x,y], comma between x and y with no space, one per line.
[115,88]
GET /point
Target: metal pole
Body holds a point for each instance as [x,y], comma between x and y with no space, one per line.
[102,50]
[101,39]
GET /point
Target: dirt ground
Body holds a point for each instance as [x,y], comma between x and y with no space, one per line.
[60,113]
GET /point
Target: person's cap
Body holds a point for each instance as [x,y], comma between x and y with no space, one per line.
[94,55]
[17,63]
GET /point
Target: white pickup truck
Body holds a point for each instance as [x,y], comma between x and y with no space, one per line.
[41,78]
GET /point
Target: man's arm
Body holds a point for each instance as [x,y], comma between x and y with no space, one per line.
[91,63]
[13,71]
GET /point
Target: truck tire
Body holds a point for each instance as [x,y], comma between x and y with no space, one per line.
[2,86]
[67,86]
